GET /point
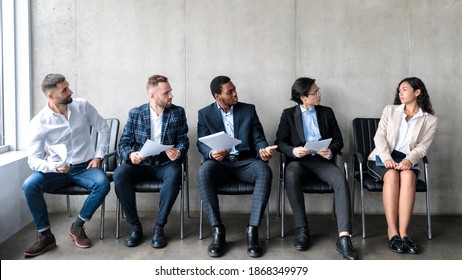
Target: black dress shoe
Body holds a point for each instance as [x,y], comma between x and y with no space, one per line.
[135,236]
[409,246]
[217,247]
[302,240]
[345,247]
[254,249]
[158,239]
[396,244]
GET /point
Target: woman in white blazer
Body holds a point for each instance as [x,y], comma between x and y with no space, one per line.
[405,132]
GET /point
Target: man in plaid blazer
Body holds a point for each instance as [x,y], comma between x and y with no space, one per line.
[163,123]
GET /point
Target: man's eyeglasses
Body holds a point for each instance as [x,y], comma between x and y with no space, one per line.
[316,92]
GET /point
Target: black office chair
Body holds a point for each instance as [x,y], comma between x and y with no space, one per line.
[364,130]
[154,186]
[109,164]
[313,185]
[234,187]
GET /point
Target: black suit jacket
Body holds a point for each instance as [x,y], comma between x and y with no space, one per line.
[247,128]
[290,130]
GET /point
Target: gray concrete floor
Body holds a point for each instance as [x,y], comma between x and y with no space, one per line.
[445,245]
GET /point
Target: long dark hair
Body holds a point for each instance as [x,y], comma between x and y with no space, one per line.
[423,99]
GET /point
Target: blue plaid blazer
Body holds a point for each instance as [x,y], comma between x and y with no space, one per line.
[138,129]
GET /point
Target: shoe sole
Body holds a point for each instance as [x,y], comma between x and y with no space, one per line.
[159,246]
[47,248]
[300,248]
[131,244]
[215,255]
[407,250]
[77,244]
[341,253]
[255,255]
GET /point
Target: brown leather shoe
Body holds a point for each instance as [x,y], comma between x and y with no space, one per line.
[79,237]
[45,242]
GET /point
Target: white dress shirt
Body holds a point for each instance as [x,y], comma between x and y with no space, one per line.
[405,130]
[156,126]
[49,128]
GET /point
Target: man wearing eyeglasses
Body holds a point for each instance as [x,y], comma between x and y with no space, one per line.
[309,121]
[162,122]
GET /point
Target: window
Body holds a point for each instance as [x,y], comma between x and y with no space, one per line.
[15,74]
[2,140]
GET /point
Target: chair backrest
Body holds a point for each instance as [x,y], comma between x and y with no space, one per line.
[113,124]
[364,130]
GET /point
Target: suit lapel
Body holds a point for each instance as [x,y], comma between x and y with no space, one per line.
[417,128]
[396,121]
[216,118]
[165,119]
[236,119]
[147,121]
[299,123]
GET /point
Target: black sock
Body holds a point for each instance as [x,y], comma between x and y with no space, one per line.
[137,223]
[46,232]
[78,223]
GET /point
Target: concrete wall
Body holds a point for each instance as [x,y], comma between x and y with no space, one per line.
[357,50]
[15,213]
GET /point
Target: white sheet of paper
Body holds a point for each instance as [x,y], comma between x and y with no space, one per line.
[318,145]
[151,148]
[61,151]
[220,141]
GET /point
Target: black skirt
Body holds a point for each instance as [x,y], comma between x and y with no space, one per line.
[378,172]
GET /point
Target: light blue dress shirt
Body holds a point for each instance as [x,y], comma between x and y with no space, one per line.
[228,121]
[310,124]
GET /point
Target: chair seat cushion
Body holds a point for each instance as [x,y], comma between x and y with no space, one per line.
[148,186]
[71,190]
[236,188]
[316,186]
[372,185]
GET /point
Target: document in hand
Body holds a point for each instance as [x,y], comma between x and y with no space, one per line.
[61,151]
[220,141]
[318,145]
[378,162]
[151,148]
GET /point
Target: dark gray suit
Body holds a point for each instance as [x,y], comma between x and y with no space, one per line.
[249,167]
[290,135]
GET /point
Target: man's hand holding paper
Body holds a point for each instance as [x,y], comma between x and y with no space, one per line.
[220,141]
[150,148]
[311,148]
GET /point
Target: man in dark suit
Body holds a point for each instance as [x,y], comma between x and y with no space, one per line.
[309,122]
[245,161]
[163,123]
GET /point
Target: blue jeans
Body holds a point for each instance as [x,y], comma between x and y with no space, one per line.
[93,179]
[127,175]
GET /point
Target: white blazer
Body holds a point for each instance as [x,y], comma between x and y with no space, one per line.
[387,135]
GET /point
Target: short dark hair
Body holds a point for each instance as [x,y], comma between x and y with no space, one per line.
[154,80]
[217,83]
[300,88]
[51,81]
